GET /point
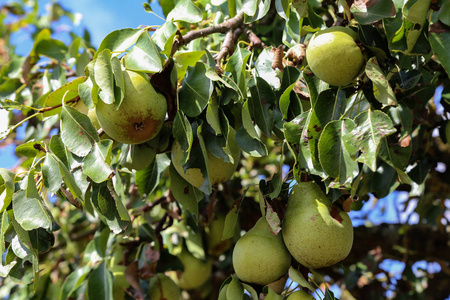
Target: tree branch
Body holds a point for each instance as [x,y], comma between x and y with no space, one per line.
[224,27]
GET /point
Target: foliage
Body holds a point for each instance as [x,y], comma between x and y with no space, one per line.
[84,217]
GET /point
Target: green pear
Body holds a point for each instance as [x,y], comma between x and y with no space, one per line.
[216,245]
[219,170]
[300,295]
[161,287]
[334,56]
[316,233]
[259,256]
[141,114]
[196,272]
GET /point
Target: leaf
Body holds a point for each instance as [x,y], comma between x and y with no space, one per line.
[182,132]
[440,42]
[264,68]
[73,281]
[371,127]
[368,11]
[119,40]
[272,219]
[95,163]
[41,239]
[333,155]
[4,225]
[231,219]
[52,49]
[100,283]
[236,65]
[185,11]
[297,276]
[6,188]
[184,192]
[249,7]
[144,56]
[30,149]
[262,104]
[30,185]
[105,205]
[301,7]
[164,36]
[235,290]
[395,155]
[148,179]
[69,91]
[104,76]
[381,88]
[247,143]
[185,59]
[415,15]
[77,132]
[31,213]
[195,91]
[263,8]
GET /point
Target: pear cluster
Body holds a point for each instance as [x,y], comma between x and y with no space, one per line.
[314,232]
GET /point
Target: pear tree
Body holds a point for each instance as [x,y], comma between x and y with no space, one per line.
[242,149]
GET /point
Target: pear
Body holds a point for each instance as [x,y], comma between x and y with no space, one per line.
[141,114]
[300,295]
[161,287]
[334,56]
[259,256]
[216,245]
[196,272]
[316,233]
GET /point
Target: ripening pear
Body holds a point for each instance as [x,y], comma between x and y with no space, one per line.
[196,272]
[141,114]
[300,295]
[161,287]
[316,233]
[334,56]
[259,256]
[219,170]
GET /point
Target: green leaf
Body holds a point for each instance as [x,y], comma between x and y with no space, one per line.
[440,42]
[371,127]
[30,149]
[370,12]
[231,219]
[182,132]
[51,173]
[105,205]
[184,192]
[235,289]
[144,56]
[95,163]
[4,224]
[185,59]
[212,115]
[333,155]
[195,91]
[301,7]
[263,8]
[249,144]
[148,179]
[444,13]
[104,76]
[77,132]
[185,11]
[236,65]
[164,36]
[41,239]
[52,49]
[262,104]
[264,68]
[31,213]
[100,284]
[297,276]
[395,155]
[119,40]
[415,15]
[68,91]
[85,91]
[30,185]
[119,80]
[381,88]
[73,281]
[6,188]
[249,7]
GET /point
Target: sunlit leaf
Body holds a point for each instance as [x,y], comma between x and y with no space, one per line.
[185,11]
[31,213]
[144,56]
